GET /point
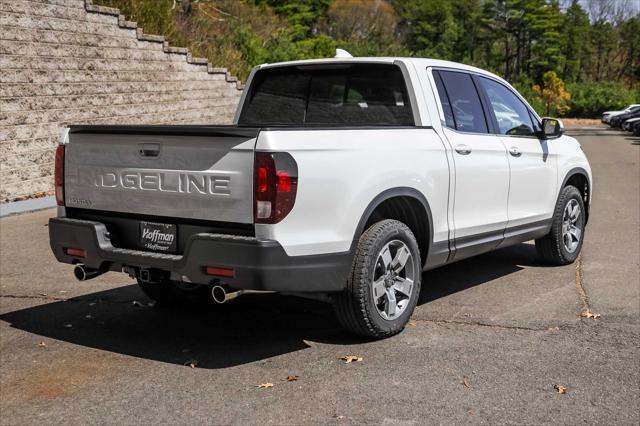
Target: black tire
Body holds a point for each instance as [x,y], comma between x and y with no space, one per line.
[551,248]
[172,293]
[355,307]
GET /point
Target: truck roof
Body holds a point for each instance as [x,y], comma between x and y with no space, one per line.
[417,62]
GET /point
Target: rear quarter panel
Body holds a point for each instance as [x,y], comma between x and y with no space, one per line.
[340,171]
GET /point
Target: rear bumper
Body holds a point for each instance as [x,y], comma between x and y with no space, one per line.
[258,264]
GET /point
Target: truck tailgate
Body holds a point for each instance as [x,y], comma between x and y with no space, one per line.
[196,172]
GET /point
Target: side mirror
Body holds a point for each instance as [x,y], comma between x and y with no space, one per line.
[552,128]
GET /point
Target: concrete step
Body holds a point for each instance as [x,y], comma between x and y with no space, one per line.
[39,76]
[78,4]
[88,112]
[18,189]
[21,146]
[41,9]
[94,24]
[53,103]
[90,64]
[11,90]
[161,113]
[80,39]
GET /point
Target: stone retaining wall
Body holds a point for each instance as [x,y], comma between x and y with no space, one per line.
[71,62]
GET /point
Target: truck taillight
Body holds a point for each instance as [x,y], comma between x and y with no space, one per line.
[59,175]
[276,184]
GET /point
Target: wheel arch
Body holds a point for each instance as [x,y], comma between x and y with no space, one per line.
[406,204]
[579,178]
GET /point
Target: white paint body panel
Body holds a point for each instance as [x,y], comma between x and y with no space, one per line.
[341,171]
[481,192]
[533,185]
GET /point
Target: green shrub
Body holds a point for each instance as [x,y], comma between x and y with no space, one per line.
[589,100]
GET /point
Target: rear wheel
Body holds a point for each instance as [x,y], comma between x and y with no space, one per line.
[384,284]
[168,293]
[562,245]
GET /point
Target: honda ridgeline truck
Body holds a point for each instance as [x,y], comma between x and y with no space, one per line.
[343,177]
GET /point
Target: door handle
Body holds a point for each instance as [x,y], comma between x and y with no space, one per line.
[515,151]
[463,150]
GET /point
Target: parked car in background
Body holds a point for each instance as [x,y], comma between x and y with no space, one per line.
[607,115]
[628,125]
[636,128]
[618,119]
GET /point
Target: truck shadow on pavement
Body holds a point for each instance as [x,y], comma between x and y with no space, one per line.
[252,328]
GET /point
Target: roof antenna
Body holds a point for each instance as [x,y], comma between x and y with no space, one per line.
[341,53]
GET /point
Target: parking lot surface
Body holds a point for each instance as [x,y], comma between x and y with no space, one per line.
[492,340]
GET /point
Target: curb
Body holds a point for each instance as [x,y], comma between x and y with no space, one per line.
[17,207]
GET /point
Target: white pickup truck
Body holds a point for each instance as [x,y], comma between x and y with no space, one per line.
[343,177]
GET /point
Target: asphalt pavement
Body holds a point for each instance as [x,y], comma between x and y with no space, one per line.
[493,340]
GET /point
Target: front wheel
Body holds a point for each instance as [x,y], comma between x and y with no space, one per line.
[562,245]
[384,283]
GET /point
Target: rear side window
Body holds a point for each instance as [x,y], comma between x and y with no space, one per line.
[464,102]
[366,94]
[444,101]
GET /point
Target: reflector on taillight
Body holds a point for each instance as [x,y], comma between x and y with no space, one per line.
[59,175]
[75,252]
[276,184]
[220,272]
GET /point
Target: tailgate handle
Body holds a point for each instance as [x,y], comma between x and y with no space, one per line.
[149,150]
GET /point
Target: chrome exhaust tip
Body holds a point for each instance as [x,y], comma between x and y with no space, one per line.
[82,273]
[221,295]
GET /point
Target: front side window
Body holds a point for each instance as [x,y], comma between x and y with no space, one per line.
[511,113]
[464,101]
[342,95]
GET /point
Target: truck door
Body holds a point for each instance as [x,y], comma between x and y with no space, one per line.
[532,191]
[481,166]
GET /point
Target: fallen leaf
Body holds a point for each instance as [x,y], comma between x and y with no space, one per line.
[412,323]
[42,294]
[553,329]
[191,363]
[560,388]
[136,304]
[588,314]
[68,326]
[63,291]
[292,378]
[348,359]
[338,417]
[465,381]
[43,344]
[264,385]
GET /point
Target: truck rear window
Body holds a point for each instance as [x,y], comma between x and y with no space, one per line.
[340,95]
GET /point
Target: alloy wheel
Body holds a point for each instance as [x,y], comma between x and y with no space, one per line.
[393,278]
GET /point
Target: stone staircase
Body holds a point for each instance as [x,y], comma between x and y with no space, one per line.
[72,62]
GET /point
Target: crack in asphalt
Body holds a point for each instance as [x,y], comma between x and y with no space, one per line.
[582,292]
[483,324]
[17,296]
